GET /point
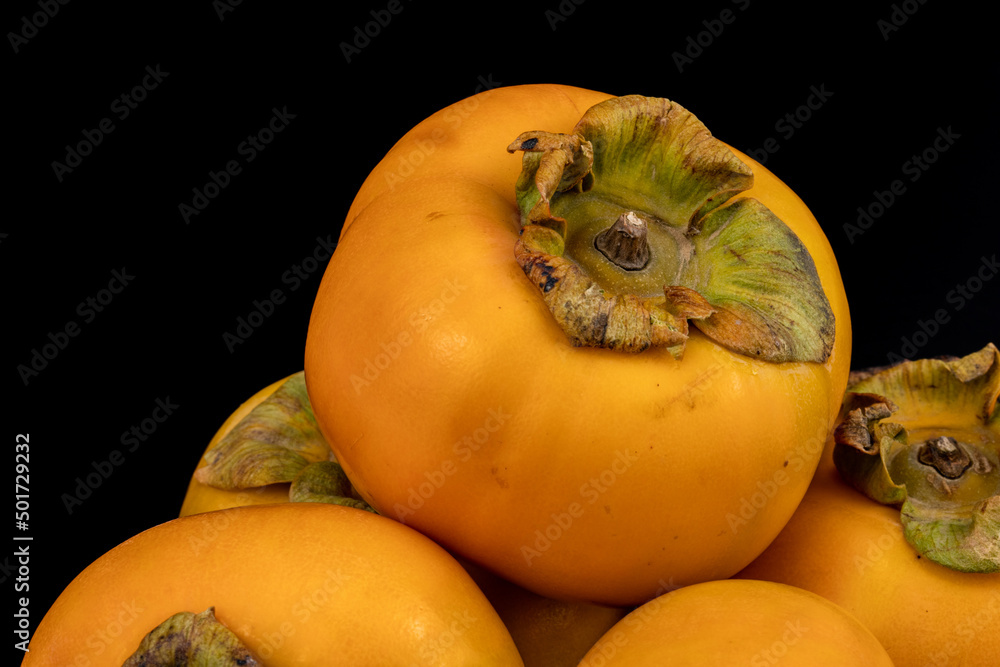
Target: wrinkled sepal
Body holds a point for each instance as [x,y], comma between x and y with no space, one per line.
[948,484]
[763,284]
[649,159]
[198,640]
[588,315]
[654,155]
[272,444]
[967,541]
[643,153]
[968,386]
[552,163]
[864,445]
[326,482]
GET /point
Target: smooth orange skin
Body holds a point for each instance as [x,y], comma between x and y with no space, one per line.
[204,498]
[851,550]
[300,584]
[457,405]
[733,622]
[547,633]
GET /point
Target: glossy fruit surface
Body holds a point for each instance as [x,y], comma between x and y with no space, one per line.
[736,622]
[299,583]
[547,633]
[457,405]
[841,545]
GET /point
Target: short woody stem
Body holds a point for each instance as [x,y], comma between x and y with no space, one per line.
[944,455]
[624,243]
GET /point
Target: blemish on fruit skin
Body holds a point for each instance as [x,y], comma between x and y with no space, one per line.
[494,472]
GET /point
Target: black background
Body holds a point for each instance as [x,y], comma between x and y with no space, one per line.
[890,90]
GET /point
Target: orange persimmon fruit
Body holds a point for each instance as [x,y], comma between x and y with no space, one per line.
[464,399]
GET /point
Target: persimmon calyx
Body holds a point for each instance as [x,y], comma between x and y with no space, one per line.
[640,199]
[187,638]
[272,444]
[326,482]
[939,460]
[279,442]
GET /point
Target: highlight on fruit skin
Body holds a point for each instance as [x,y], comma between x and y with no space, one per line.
[738,622]
[296,583]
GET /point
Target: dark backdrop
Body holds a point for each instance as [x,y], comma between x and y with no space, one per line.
[130,297]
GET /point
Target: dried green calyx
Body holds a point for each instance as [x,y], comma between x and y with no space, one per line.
[279,442]
[939,457]
[192,640]
[326,482]
[631,228]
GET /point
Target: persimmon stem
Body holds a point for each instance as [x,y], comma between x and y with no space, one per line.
[624,243]
[671,190]
[944,455]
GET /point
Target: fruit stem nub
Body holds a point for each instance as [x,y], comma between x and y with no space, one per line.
[624,243]
[944,455]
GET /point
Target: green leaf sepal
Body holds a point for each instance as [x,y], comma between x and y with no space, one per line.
[938,460]
[687,249]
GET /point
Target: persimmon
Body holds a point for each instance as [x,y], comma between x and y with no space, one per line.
[738,622]
[547,632]
[296,583]
[872,556]
[604,367]
[203,497]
